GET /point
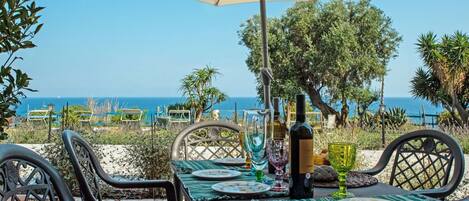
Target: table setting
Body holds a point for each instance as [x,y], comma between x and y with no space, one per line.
[201,189]
[278,167]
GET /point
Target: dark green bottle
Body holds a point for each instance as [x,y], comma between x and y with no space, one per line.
[301,150]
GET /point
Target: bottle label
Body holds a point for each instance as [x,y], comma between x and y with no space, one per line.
[306,156]
[279,131]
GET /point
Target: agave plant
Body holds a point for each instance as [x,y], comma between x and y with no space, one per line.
[395,117]
[370,120]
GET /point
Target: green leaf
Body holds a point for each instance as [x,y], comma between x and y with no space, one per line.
[38,28]
[12,4]
[28,44]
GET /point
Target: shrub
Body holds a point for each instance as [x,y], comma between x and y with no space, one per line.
[149,156]
[72,114]
[19,25]
[178,106]
[445,119]
[370,120]
[461,133]
[26,134]
[56,154]
[395,117]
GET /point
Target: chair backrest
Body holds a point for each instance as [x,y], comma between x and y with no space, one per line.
[180,116]
[85,164]
[37,115]
[24,175]
[85,115]
[429,161]
[131,114]
[207,140]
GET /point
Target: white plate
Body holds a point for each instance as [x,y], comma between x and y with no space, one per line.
[230,161]
[363,199]
[241,187]
[216,174]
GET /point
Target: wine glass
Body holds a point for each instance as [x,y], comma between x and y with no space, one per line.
[278,157]
[342,159]
[255,141]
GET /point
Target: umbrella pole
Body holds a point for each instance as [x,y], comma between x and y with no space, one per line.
[266,72]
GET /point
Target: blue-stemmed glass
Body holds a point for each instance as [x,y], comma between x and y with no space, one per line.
[255,140]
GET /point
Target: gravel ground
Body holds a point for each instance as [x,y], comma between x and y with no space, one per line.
[366,158]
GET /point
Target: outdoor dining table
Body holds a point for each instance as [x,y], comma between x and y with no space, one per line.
[196,189]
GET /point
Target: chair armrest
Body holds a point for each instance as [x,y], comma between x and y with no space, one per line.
[167,185]
[373,171]
[382,162]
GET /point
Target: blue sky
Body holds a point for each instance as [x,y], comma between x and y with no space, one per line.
[143,48]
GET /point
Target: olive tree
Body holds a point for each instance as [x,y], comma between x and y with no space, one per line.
[325,49]
[19,23]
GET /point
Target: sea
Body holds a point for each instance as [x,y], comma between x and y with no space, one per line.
[413,106]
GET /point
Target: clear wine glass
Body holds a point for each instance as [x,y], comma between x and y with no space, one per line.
[278,157]
[342,158]
[255,140]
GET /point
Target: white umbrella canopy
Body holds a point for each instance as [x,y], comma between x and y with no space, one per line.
[229,2]
[266,71]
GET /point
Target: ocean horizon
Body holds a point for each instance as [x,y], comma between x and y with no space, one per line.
[413,106]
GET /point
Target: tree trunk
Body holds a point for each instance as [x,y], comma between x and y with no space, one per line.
[344,111]
[462,112]
[288,109]
[453,114]
[316,100]
[198,115]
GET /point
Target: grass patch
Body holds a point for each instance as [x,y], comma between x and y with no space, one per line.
[110,136]
[365,139]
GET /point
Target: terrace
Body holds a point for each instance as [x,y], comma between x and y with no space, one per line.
[185,148]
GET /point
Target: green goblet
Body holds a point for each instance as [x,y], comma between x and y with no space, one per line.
[342,159]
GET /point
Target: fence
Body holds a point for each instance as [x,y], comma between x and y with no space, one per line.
[430,120]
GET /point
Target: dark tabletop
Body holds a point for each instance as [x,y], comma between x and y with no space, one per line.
[200,190]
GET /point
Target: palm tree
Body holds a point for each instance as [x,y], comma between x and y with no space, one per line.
[201,95]
[448,68]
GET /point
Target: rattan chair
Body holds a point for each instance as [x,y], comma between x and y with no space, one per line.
[427,162]
[207,140]
[88,170]
[24,175]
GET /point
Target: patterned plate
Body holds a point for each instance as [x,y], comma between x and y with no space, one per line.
[216,174]
[241,187]
[354,180]
[230,161]
[363,199]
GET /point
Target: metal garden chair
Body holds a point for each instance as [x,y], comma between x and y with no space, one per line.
[131,117]
[40,116]
[428,162]
[207,140]
[88,171]
[24,175]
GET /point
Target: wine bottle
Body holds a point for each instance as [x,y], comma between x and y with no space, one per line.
[279,126]
[302,159]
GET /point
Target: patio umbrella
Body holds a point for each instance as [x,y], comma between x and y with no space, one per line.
[266,72]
